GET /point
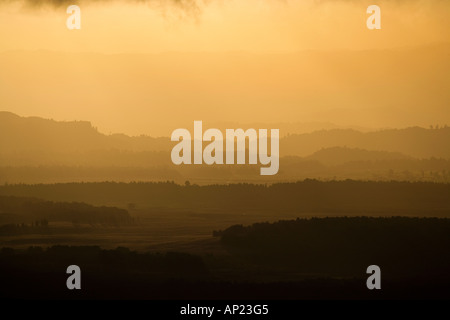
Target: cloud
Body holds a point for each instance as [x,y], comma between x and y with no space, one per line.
[59,3]
[184,4]
[181,8]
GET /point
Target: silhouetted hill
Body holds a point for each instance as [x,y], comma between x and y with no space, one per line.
[340,155]
[28,210]
[402,246]
[37,141]
[36,150]
[416,142]
[304,197]
[34,140]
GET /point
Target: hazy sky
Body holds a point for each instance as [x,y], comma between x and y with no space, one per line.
[222,25]
[155,65]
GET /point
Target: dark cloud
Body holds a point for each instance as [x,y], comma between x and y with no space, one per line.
[57,3]
[181,8]
[62,3]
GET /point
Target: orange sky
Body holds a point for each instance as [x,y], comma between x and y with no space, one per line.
[153,68]
[228,25]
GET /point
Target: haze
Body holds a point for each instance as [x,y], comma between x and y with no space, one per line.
[151,67]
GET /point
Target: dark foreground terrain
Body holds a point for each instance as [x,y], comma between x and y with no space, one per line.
[306,240]
[316,258]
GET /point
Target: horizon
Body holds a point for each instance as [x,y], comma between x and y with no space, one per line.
[153,66]
[314,126]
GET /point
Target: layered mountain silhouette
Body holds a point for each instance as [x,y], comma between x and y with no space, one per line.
[27,211]
[339,155]
[415,141]
[21,134]
[30,135]
[40,150]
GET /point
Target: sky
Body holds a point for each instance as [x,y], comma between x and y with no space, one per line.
[225,25]
[149,67]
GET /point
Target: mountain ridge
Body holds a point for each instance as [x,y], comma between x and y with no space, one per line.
[34,138]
